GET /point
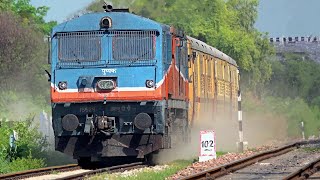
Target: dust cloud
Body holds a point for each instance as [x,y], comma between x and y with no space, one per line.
[226,138]
[258,129]
[22,109]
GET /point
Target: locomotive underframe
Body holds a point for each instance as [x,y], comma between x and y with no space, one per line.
[125,139]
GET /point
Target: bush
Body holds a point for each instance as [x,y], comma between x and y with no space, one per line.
[29,150]
[21,164]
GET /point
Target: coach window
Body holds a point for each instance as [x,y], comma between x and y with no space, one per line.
[215,69]
[205,64]
[210,74]
[226,73]
[223,71]
[236,77]
[201,72]
[196,72]
[220,70]
[219,74]
[229,73]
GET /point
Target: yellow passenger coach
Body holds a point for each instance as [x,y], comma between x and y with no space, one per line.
[214,83]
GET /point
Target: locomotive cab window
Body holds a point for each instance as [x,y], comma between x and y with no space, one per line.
[79,46]
[134,45]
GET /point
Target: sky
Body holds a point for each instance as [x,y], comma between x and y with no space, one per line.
[61,9]
[289,17]
[277,17]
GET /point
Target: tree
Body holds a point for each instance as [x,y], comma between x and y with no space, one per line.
[295,76]
[23,51]
[22,54]
[28,14]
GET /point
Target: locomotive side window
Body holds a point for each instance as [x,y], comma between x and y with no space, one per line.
[79,46]
[134,45]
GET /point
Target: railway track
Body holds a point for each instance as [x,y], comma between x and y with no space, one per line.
[112,169]
[226,169]
[40,172]
[306,172]
[43,172]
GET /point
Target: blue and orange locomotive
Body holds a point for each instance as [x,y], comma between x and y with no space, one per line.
[120,85]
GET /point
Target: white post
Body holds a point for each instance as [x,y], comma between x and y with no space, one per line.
[302,130]
[240,147]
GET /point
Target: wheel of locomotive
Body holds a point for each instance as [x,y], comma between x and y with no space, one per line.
[149,159]
[85,162]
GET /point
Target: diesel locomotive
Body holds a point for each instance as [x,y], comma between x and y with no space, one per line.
[126,86]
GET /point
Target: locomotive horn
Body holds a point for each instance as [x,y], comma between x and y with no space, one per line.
[107,7]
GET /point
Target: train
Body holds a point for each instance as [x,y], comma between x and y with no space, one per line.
[124,86]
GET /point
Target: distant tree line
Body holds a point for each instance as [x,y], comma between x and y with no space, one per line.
[295,76]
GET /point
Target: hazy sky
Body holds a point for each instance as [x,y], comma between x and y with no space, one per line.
[289,17]
[278,17]
[61,9]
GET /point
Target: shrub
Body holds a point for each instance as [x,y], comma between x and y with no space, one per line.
[21,164]
[29,150]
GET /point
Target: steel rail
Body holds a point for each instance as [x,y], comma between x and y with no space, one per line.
[39,172]
[103,170]
[305,172]
[239,164]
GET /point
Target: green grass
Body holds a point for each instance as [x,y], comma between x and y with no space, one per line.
[311,149]
[221,153]
[147,174]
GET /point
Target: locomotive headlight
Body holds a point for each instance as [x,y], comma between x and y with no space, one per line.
[63,85]
[150,83]
[106,22]
[106,84]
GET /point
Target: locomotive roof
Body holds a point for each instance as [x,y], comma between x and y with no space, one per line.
[205,48]
[120,21]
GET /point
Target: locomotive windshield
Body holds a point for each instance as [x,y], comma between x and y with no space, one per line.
[134,45]
[80,46]
[124,46]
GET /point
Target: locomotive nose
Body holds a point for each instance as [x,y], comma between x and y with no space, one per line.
[142,121]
